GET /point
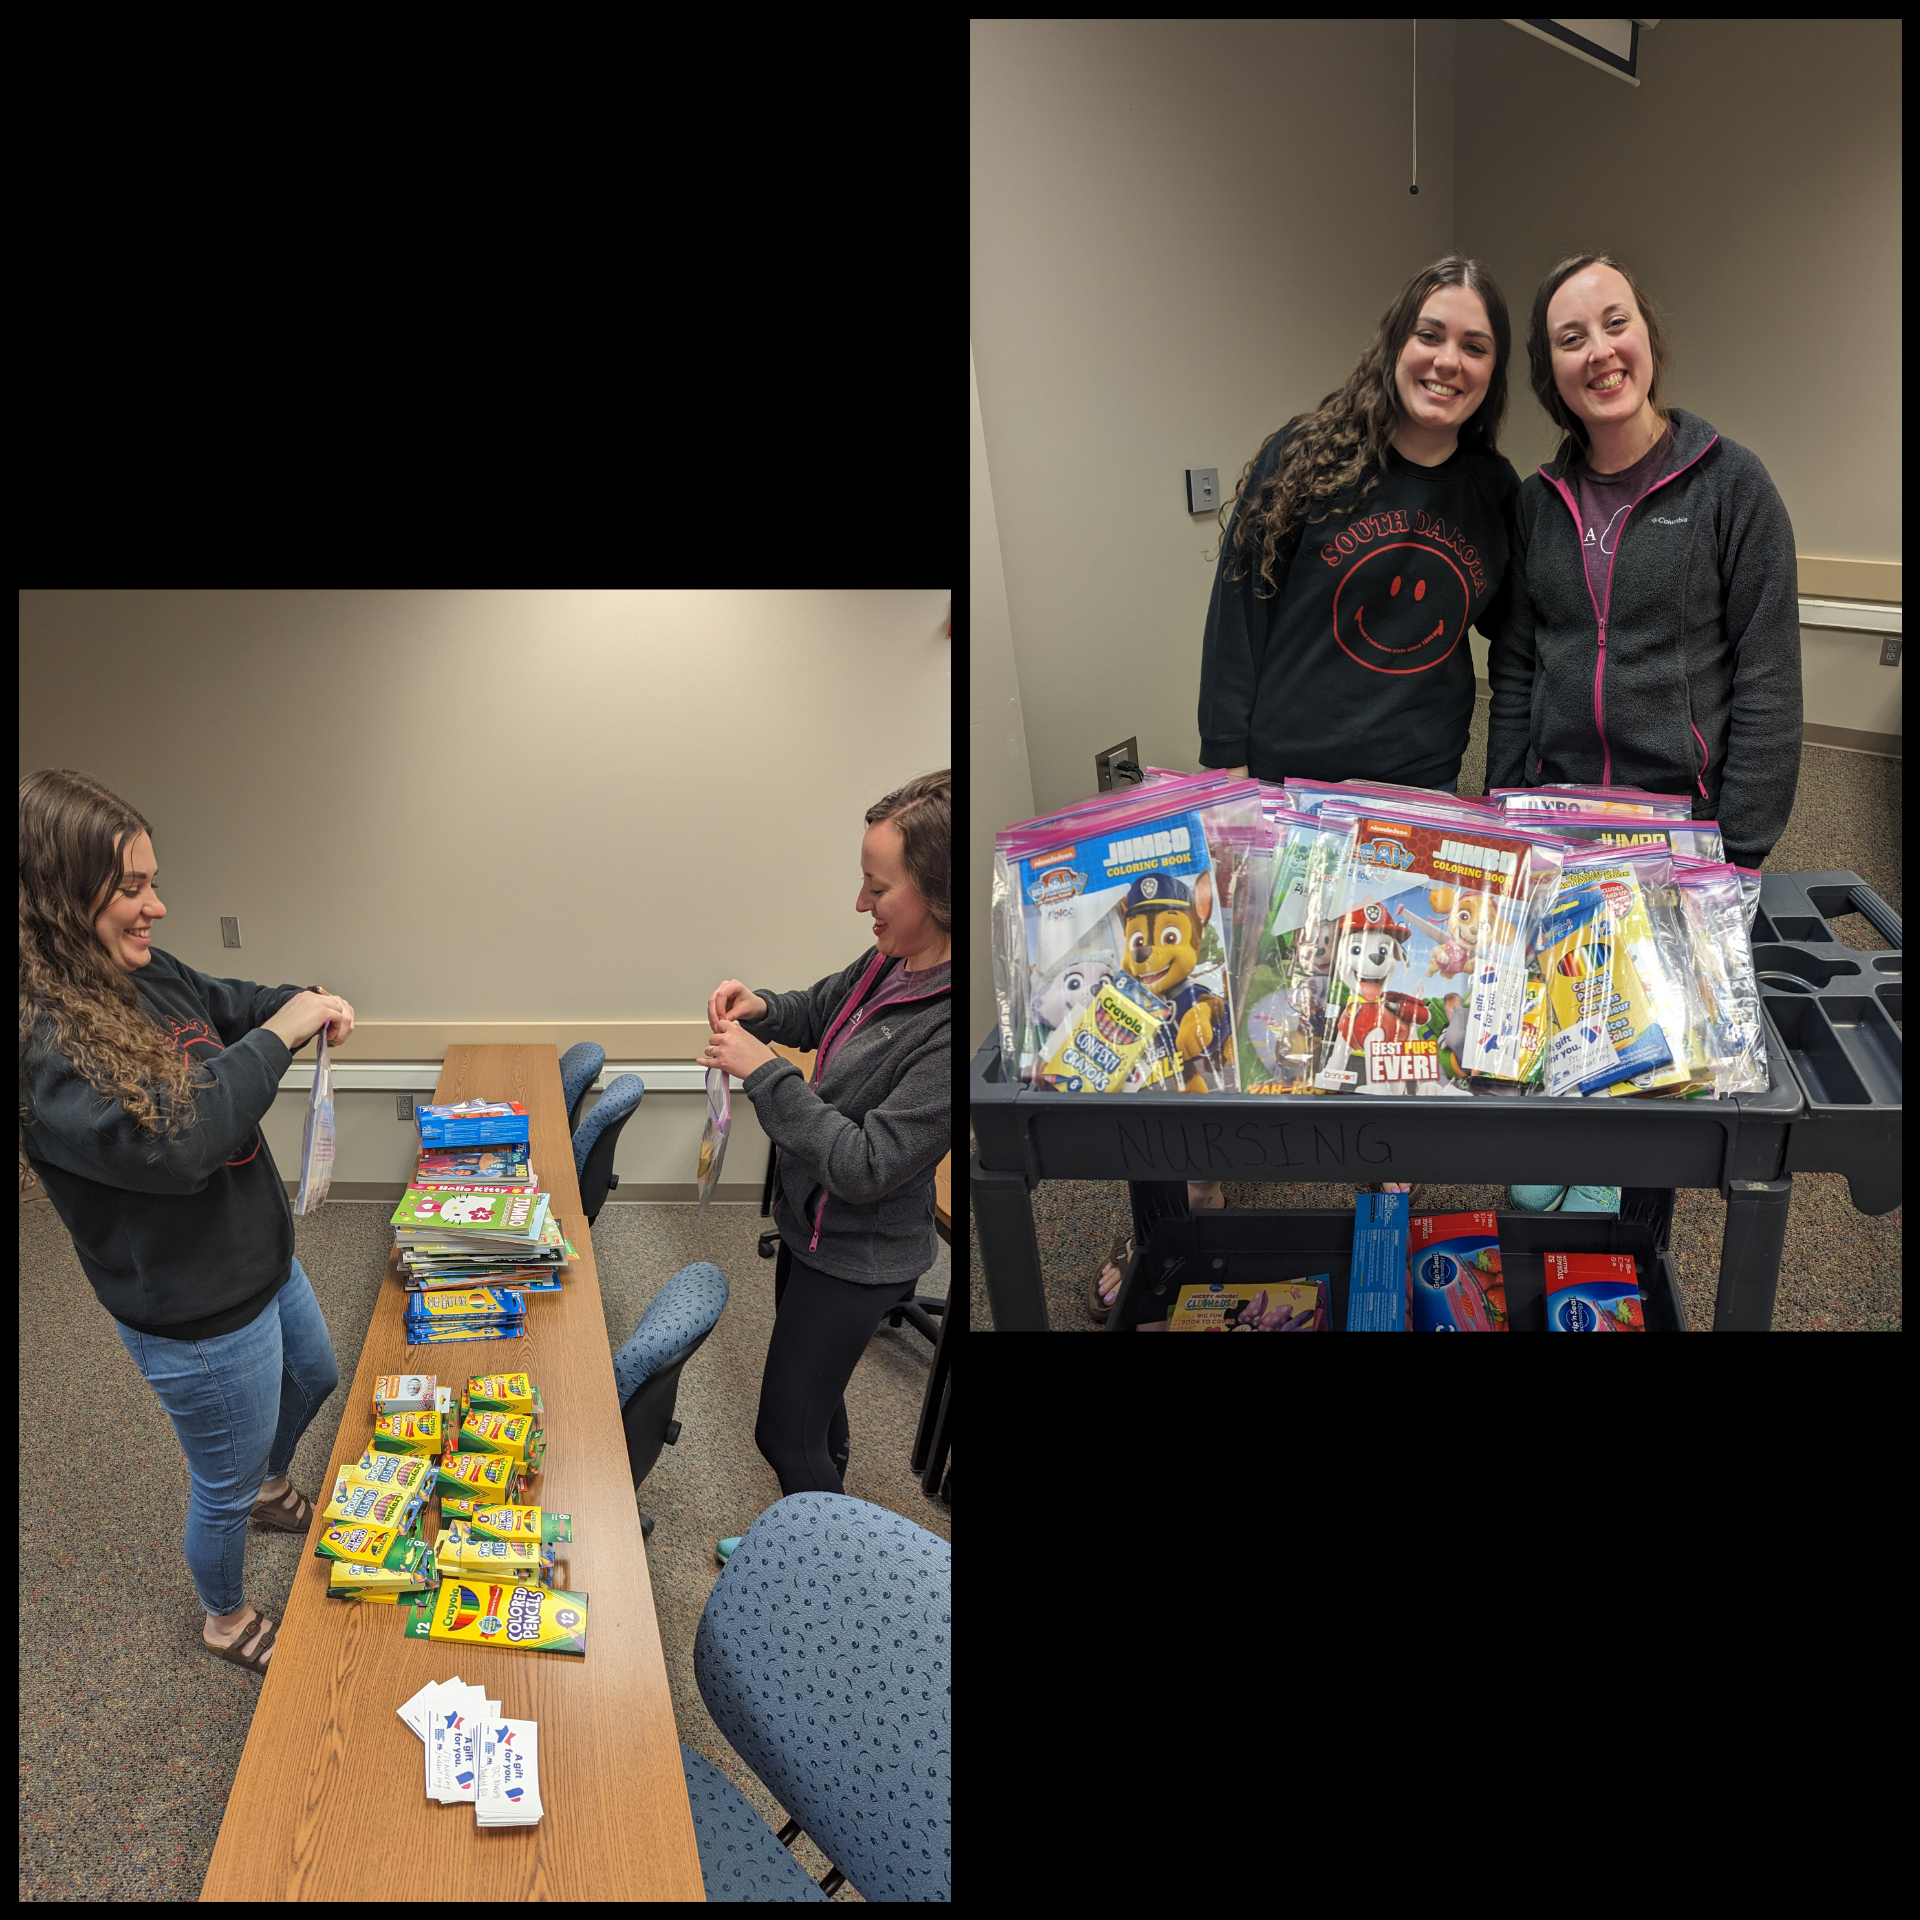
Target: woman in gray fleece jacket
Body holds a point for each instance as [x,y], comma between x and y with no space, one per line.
[858,1142]
[1654,634]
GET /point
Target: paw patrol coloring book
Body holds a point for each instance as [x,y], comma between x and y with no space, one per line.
[1429,959]
[1128,961]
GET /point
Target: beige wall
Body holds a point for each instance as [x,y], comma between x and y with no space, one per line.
[578,808]
[1183,232]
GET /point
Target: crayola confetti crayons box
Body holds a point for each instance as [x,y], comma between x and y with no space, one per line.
[479,1614]
[1593,1293]
[521,1523]
[372,1546]
[1098,1050]
[419,1433]
[1454,1282]
[1377,1289]
[404,1393]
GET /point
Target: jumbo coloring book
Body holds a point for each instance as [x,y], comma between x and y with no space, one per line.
[1127,961]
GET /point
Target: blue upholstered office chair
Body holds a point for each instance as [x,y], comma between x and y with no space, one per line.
[823,1656]
[579,1069]
[595,1138]
[647,1369]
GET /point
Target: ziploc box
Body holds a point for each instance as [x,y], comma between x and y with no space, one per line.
[405,1393]
[525,1619]
[1454,1282]
[1593,1293]
[419,1433]
[1377,1290]
[475,1124]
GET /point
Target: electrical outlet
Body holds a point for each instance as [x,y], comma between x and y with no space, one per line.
[1127,753]
[405,1104]
[229,933]
[1203,489]
[1890,651]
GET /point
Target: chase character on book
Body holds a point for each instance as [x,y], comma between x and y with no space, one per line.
[143,1084]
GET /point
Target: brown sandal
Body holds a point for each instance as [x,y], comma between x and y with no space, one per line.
[262,1643]
[1120,1253]
[292,1512]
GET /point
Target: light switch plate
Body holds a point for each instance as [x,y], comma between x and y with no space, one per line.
[229,933]
[1203,489]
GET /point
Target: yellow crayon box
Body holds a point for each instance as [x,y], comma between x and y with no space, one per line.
[506,1433]
[347,1578]
[520,1523]
[356,1503]
[371,1546]
[467,1480]
[456,1552]
[420,1433]
[502,1393]
[404,1393]
[410,1472]
[1098,1050]
[481,1614]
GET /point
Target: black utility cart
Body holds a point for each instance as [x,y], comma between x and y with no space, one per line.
[1833,1105]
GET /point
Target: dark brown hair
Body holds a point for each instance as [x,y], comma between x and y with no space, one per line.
[72,996]
[1345,438]
[1573,432]
[922,811]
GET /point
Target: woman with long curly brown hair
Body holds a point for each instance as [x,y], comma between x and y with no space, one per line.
[142,1087]
[1366,537]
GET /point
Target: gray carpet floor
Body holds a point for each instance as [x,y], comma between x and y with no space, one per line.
[1839,1270]
[131,1733]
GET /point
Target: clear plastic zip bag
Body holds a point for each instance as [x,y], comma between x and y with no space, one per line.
[713,1137]
[316,1148]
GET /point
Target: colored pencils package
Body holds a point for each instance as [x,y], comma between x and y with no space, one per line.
[482,1614]
[1714,919]
[1430,957]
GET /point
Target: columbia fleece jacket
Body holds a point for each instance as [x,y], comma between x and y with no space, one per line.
[1692,683]
[185,1238]
[857,1145]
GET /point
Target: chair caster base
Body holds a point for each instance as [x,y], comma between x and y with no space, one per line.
[646,1526]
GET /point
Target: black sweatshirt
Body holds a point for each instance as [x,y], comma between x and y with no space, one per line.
[188,1238]
[1358,667]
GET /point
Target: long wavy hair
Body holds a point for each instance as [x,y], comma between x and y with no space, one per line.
[1573,432]
[923,811]
[74,840]
[1344,440]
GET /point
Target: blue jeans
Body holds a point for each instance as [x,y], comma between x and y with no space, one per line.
[239,1404]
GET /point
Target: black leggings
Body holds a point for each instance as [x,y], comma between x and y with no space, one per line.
[821,1327]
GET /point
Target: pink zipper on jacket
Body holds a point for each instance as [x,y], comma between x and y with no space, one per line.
[820,1054]
[1599,665]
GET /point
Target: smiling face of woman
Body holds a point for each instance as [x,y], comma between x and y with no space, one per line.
[1602,360]
[1446,363]
[124,922]
[901,922]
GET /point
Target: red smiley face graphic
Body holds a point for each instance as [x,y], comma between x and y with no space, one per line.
[1401,609]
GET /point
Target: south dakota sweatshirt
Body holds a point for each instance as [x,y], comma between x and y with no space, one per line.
[1358,666]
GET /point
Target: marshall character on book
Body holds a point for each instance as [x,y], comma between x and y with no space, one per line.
[1373,948]
[1165,918]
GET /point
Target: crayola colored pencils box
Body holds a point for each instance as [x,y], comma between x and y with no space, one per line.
[1454,1282]
[525,1619]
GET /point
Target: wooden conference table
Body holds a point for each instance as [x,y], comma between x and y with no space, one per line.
[329,1801]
